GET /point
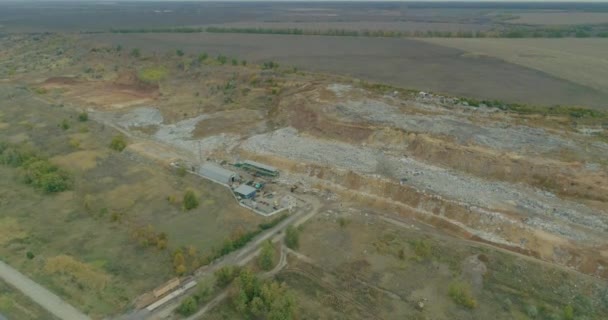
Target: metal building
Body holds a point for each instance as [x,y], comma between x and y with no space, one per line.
[260,168]
[217,173]
[245,192]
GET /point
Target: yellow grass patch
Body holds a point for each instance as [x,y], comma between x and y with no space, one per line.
[10,230]
[3,125]
[80,160]
[84,274]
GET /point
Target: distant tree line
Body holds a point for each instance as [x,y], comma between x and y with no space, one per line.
[503,31]
[578,31]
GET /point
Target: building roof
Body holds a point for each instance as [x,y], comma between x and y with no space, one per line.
[245,190]
[260,165]
[215,172]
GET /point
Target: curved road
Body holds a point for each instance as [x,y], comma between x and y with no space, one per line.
[46,299]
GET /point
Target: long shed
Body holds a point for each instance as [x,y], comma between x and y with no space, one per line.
[217,173]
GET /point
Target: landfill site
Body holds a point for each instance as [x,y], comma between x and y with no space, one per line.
[488,175]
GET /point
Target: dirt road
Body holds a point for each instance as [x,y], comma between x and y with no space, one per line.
[40,295]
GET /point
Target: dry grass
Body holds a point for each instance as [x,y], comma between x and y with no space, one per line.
[10,230]
[82,273]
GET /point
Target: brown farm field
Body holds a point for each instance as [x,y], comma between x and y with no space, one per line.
[560,18]
[582,61]
[405,63]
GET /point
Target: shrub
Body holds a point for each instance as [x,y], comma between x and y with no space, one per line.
[83,117]
[568,312]
[202,57]
[461,294]
[45,176]
[30,255]
[179,52]
[222,59]
[422,248]
[136,53]
[190,200]
[342,222]
[292,240]
[65,124]
[118,143]
[181,171]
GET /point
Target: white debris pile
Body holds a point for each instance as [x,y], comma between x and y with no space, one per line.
[141,117]
[494,195]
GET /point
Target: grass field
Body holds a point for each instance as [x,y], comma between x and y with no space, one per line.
[91,244]
[15,305]
[578,60]
[368,268]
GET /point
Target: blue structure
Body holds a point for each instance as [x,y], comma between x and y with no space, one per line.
[245,192]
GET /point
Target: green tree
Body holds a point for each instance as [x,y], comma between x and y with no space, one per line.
[292,236]
[179,53]
[235,62]
[118,143]
[266,258]
[187,307]
[190,200]
[225,275]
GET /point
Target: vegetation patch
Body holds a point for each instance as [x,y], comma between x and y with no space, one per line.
[460,293]
[35,170]
[152,75]
[256,299]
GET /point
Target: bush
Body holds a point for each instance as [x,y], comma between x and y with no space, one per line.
[180,53]
[190,200]
[461,294]
[65,124]
[30,255]
[202,57]
[422,248]
[292,236]
[45,176]
[568,312]
[83,117]
[118,143]
[135,53]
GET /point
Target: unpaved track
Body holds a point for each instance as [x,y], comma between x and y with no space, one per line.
[46,299]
